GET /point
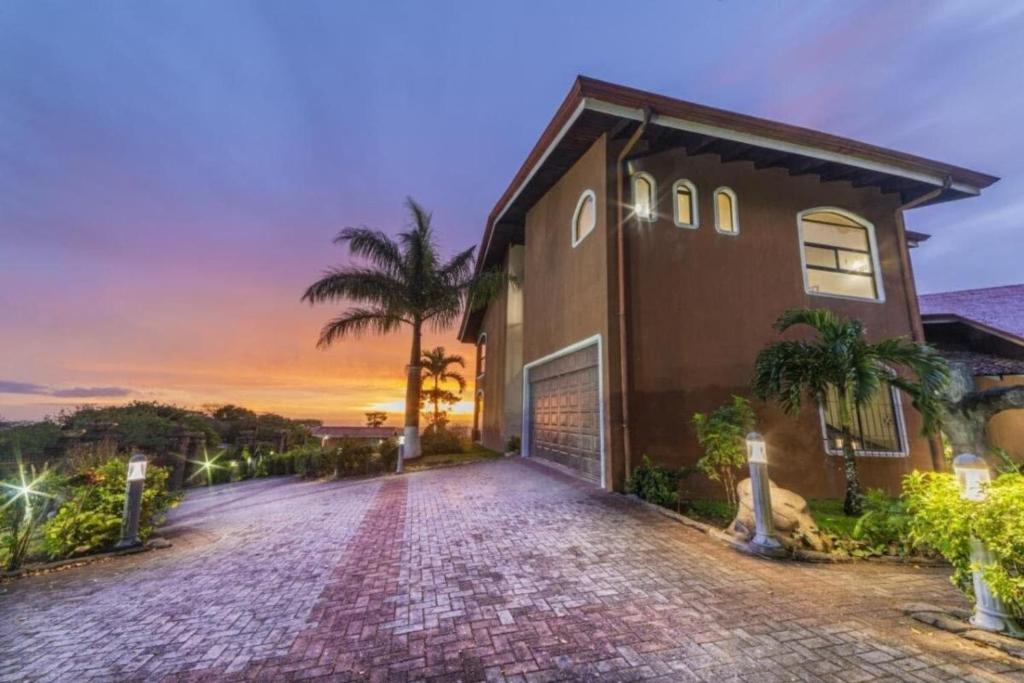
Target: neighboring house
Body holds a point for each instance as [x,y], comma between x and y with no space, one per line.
[984,330]
[727,220]
[369,436]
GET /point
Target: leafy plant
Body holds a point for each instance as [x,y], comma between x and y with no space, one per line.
[656,484]
[437,364]
[442,441]
[513,445]
[722,434]
[840,361]
[90,519]
[945,521]
[25,502]
[884,528]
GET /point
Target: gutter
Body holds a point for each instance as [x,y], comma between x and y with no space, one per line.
[620,248]
[910,293]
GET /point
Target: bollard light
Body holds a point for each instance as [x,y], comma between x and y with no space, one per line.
[401,454]
[757,452]
[973,475]
[136,480]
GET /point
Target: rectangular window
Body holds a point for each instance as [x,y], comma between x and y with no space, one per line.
[837,256]
[876,426]
[684,206]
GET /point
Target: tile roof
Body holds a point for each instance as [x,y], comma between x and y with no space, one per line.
[985,363]
[998,308]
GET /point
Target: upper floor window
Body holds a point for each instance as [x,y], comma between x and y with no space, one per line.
[643,196]
[685,197]
[877,425]
[726,216]
[585,217]
[839,254]
[481,355]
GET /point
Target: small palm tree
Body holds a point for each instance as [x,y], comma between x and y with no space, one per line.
[402,282]
[842,364]
[436,364]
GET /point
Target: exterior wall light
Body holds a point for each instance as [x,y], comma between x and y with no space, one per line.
[764,541]
[973,477]
[136,480]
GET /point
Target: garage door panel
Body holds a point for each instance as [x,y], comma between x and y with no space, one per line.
[564,413]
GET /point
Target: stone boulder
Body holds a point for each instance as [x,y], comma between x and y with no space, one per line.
[794,525]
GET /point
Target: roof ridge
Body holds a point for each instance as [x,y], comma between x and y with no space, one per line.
[972,290]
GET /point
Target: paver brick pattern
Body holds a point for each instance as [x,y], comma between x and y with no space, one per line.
[502,571]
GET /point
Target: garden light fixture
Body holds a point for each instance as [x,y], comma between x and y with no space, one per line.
[764,541]
[973,477]
[136,480]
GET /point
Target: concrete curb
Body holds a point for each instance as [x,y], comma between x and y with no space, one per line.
[61,565]
[956,621]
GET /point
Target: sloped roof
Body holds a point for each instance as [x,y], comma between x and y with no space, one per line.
[356,432]
[998,310]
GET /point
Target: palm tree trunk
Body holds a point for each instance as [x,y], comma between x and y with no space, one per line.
[412,395]
[853,503]
[437,408]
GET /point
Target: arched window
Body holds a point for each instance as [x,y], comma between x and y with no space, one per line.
[643,196]
[684,195]
[481,355]
[585,217]
[478,415]
[727,218]
[839,254]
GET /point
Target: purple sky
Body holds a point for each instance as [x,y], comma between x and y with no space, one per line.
[171,174]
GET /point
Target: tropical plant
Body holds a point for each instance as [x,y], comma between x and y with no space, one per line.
[840,362]
[945,521]
[376,418]
[25,502]
[401,282]
[437,366]
[655,483]
[722,435]
[884,528]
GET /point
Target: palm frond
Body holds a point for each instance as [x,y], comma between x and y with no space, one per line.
[358,284]
[357,321]
[374,246]
[821,319]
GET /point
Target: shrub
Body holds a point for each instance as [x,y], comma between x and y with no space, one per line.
[884,528]
[21,514]
[90,519]
[388,456]
[722,434]
[943,520]
[513,445]
[441,441]
[656,484]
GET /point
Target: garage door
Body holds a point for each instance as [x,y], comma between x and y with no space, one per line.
[565,421]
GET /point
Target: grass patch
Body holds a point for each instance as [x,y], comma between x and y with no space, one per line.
[715,512]
[477,454]
[829,516]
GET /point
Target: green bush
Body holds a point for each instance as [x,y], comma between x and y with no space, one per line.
[90,519]
[884,528]
[22,514]
[514,444]
[441,441]
[722,434]
[943,520]
[389,455]
[656,484]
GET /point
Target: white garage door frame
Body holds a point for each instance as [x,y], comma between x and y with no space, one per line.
[572,348]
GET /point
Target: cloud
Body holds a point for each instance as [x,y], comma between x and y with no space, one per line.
[8,387]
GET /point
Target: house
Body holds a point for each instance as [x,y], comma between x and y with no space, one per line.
[607,340]
[983,329]
[364,436]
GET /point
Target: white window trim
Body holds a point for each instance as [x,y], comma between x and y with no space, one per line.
[901,432]
[694,204]
[654,196]
[524,440]
[872,243]
[481,338]
[735,211]
[588,193]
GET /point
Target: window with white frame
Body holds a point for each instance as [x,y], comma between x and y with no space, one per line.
[584,219]
[481,355]
[643,196]
[839,255]
[727,218]
[684,197]
[877,425]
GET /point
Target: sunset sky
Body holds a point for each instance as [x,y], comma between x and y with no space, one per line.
[172,174]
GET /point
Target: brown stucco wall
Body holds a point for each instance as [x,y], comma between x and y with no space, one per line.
[1005,430]
[702,305]
[493,380]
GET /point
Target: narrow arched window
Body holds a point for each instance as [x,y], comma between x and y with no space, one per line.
[726,216]
[643,196]
[584,219]
[684,195]
[478,416]
[839,254]
[481,355]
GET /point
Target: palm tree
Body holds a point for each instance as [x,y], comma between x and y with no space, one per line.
[401,282]
[436,364]
[841,365]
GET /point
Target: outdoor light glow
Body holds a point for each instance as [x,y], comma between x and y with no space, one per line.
[757,452]
[207,465]
[973,476]
[24,490]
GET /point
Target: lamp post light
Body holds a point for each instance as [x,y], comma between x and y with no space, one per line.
[764,541]
[401,453]
[973,476]
[133,502]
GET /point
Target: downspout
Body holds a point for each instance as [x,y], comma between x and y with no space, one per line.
[620,247]
[910,288]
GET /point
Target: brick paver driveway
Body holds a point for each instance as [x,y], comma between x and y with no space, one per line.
[490,571]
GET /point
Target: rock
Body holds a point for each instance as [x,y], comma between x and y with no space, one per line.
[156,543]
[793,522]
